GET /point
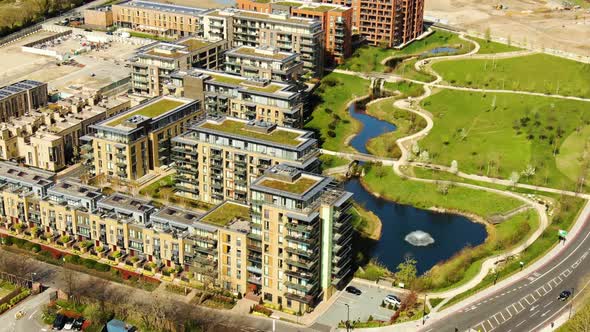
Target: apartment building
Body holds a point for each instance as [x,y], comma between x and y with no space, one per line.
[50,139]
[336,22]
[241,97]
[154,63]
[21,97]
[292,246]
[388,23]
[265,63]
[99,17]
[280,31]
[218,158]
[156,17]
[131,144]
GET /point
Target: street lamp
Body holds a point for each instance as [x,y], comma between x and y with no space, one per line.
[347,317]
[521,265]
[424,311]
[496,278]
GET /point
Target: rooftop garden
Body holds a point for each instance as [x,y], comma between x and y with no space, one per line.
[280,136]
[299,186]
[256,52]
[194,44]
[227,79]
[226,213]
[152,110]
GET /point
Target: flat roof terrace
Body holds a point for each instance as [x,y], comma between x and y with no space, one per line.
[299,186]
[226,213]
[169,8]
[243,82]
[149,110]
[242,128]
[261,53]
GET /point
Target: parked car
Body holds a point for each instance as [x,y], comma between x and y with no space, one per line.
[564,295]
[69,324]
[59,322]
[77,326]
[392,299]
[353,290]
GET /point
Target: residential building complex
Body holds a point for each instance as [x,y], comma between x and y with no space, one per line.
[389,23]
[160,18]
[99,17]
[265,63]
[154,63]
[50,138]
[280,31]
[131,144]
[292,247]
[240,97]
[217,159]
[21,97]
[336,21]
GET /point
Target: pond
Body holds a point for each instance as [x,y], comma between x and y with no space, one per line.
[435,236]
[440,50]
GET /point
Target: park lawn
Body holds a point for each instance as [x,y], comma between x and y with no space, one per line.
[329,161]
[405,88]
[407,70]
[572,154]
[497,134]
[565,216]
[538,73]
[407,123]
[491,47]
[383,181]
[154,189]
[370,58]
[334,93]
[6,288]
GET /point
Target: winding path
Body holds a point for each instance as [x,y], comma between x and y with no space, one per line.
[413,105]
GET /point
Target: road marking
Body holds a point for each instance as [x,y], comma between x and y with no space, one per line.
[527,299]
[566,273]
[519,324]
[496,318]
[33,314]
[546,305]
[533,307]
[520,304]
[534,313]
[545,313]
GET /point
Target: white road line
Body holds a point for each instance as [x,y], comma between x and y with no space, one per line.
[534,313]
[520,304]
[545,313]
[546,305]
[519,324]
[503,318]
[534,307]
[566,273]
[508,313]
[496,318]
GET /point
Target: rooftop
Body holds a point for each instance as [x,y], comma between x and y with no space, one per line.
[261,53]
[277,18]
[245,83]
[299,186]
[255,130]
[226,213]
[164,7]
[177,215]
[123,202]
[17,87]
[194,44]
[75,189]
[149,110]
[30,176]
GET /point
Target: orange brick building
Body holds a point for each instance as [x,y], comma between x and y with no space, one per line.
[336,22]
[386,22]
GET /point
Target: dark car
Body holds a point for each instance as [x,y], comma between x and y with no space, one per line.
[59,322]
[564,295]
[77,326]
[353,290]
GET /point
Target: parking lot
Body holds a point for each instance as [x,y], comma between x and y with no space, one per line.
[361,306]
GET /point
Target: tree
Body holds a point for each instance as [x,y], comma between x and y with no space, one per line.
[514,177]
[580,322]
[528,171]
[454,167]
[406,271]
[488,34]
[416,149]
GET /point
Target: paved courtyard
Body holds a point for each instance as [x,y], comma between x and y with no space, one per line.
[361,306]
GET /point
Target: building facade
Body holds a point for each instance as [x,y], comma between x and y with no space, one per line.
[241,97]
[100,17]
[218,158]
[264,63]
[154,63]
[336,22]
[291,246]
[131,144]
[279,31]
[159,18]
[21,97]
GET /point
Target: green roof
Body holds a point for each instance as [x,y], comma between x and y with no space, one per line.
[317,8]
[226,213]
[255,52]
[194,44]
[151,110]
[278,135]
[299,186]
[269,88]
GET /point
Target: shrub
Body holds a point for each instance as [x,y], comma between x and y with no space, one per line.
[331,133]
[262,309]
[260,302]
[239,296]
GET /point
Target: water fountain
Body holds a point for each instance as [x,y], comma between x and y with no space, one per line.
[419,239]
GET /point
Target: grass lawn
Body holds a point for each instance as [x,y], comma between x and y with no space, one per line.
[496,135]
[365,222]
[298,187]
[369,58]
[405,88]
[372,271]
[406,122]
[385,182]
[329,161]
[538,72]
[489,47]
[330,118]
[573,154]
[568,210]
[407,70]
[226,213]
[153,189]
[6,288]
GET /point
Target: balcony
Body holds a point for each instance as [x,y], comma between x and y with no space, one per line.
[308,265]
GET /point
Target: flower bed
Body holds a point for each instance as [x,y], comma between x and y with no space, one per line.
[261,309]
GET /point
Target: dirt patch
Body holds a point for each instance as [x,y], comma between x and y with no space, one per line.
[537,24]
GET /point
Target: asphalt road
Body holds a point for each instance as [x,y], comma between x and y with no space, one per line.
[52,276]
[32,307]
[531,302]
